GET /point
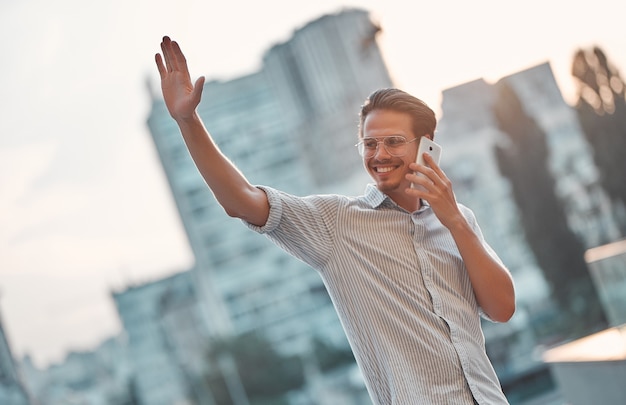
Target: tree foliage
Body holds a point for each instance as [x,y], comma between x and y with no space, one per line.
[263,372]
[601,109]
[329,356]
[523,160]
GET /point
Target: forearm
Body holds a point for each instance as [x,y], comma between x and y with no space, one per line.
[491,281]
[231,189]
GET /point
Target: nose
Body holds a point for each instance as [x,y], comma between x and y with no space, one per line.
[381,152]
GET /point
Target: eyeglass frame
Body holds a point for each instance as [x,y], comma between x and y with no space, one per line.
[361,146]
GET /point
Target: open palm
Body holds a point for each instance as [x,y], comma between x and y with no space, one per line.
[180,95]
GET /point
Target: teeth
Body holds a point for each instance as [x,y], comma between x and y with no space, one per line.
[384,169]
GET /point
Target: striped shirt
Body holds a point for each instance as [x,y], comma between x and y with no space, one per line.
[400,289]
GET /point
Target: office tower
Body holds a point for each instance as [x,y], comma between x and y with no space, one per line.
[12,390]
[321,76]
[166,344]
[607,264]
[291,125]
[469,134]
[587,206]
[98,376]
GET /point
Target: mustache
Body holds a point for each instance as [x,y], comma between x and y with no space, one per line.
[381,162]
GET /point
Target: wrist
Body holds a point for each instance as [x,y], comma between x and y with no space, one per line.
[459,224]
[188,120]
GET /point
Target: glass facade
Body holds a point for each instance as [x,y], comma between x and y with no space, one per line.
[291,126]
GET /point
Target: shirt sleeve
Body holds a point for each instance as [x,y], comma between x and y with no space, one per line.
[305,227]
[471,218]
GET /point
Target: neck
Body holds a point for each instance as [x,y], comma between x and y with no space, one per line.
[411,204]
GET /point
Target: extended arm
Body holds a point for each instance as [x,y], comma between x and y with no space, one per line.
[231,189]
[491,281]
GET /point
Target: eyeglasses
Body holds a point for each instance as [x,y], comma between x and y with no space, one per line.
[395,145]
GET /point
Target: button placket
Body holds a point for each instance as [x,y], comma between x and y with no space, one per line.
[418,231]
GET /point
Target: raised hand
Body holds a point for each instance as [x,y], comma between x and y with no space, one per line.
[180,95]
[437,190]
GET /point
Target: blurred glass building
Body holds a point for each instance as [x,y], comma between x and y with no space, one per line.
[12,388]
[290,125]
[469,134]
[608,270]
[164,333]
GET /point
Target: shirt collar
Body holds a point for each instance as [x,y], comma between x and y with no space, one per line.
[375,198]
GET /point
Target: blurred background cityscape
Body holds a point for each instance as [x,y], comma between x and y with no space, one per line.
[243,323]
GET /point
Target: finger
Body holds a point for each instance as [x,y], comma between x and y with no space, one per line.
[165,58]
[429,160]
[441,183]
[166,48]
[159,62]
[420,180]
[424,169]
[419,187]
[432,165]
[179,58]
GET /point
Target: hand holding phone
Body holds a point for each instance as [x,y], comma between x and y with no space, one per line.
[430,147]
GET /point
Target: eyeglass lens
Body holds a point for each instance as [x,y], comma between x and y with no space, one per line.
[394,145]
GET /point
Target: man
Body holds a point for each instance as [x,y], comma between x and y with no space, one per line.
[407,268]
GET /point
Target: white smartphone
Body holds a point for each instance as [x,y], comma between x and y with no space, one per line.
[430,147]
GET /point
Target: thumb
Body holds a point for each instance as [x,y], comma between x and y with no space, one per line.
[197,89]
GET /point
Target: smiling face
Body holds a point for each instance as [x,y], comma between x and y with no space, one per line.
[387,171]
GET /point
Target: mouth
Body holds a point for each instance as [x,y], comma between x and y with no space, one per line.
[384,169]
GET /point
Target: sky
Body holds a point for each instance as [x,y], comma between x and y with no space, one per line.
[85,207]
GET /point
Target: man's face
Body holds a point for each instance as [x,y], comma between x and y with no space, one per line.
[386,170]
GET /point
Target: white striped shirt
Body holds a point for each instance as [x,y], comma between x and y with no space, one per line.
[400,289]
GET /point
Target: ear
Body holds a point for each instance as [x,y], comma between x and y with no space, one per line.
[429,136]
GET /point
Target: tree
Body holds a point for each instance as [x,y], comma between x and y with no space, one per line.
[264,373]
[523,159]
[601,109]
[329,356]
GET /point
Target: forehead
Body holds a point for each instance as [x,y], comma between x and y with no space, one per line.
[387,122]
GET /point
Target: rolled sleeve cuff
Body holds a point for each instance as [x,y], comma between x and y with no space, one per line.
[276,211]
